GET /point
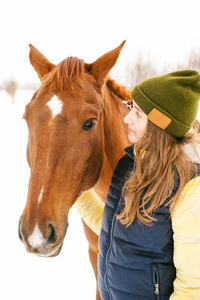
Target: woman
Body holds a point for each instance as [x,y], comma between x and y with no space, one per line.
[149,245]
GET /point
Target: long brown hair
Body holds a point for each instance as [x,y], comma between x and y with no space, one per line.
[159,157]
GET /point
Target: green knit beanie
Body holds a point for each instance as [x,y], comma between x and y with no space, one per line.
[170,101]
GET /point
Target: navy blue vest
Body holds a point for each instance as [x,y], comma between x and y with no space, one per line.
[134,263]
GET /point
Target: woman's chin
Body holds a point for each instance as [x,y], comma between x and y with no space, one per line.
[132,138]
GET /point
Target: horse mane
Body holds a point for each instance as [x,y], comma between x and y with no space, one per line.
[118,90]
[71,73]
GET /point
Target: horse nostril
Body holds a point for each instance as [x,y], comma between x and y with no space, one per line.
[52,237]
[20,232]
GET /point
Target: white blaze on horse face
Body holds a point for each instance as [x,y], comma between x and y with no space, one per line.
[40,196]
[55,105]
[36,239]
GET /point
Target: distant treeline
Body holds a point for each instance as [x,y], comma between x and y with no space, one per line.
[132,73]
[141,69]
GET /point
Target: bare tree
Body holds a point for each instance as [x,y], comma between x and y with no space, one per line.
[141,69]
[11,87]
[193,61]
[138,70]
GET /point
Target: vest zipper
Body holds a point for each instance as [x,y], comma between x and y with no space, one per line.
[108,254]
[156,288]
[156,282]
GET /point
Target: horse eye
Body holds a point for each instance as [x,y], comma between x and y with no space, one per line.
[89,124]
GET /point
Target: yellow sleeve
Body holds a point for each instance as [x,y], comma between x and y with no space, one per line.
[91,207]
[186,228]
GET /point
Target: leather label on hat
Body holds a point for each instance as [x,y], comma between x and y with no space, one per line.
[159,118]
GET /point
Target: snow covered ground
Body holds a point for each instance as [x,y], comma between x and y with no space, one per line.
[25,276]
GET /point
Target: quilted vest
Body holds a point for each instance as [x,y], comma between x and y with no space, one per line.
[134,263]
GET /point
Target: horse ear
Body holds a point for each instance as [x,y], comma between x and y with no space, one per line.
[39,62]
[100,68]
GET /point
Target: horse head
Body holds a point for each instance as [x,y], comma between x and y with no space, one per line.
[65,120]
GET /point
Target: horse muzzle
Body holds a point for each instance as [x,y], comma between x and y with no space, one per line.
[42,242]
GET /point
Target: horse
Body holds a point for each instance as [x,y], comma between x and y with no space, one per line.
[76,137]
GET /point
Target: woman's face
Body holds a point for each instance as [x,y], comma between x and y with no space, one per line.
[136,120]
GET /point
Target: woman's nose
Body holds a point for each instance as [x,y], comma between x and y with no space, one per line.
[128,119]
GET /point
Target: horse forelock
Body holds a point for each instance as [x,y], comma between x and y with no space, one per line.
[68,74]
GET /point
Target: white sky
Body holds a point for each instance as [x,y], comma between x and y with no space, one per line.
[166,30]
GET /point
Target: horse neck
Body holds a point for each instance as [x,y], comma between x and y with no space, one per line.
[115,140]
